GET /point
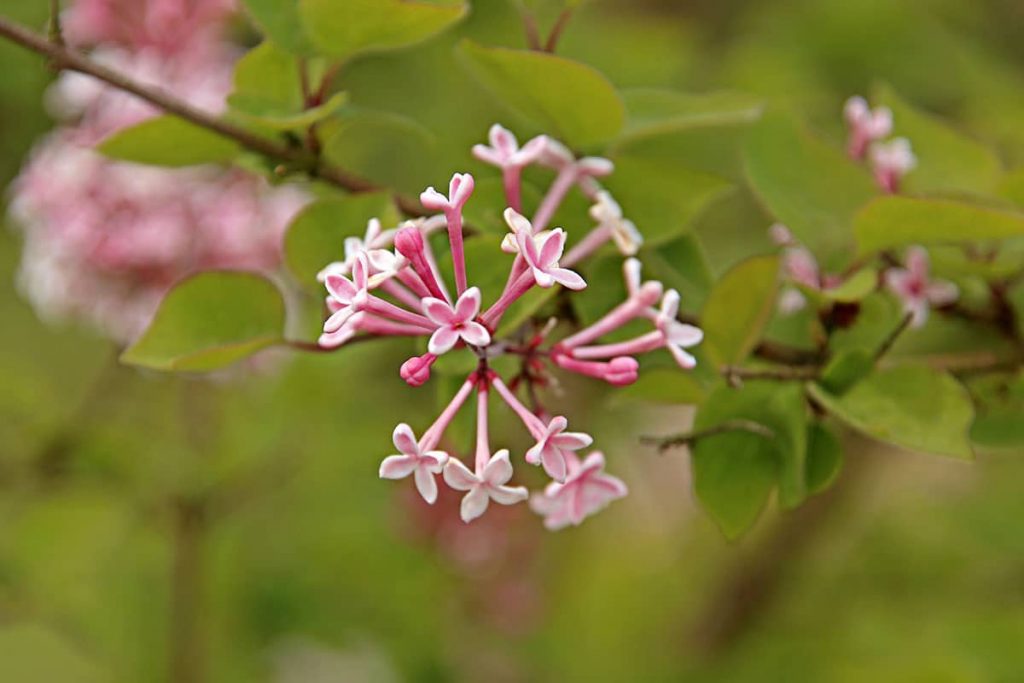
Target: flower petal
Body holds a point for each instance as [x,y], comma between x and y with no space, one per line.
[474,504]
[508,495]
[338,318]
[682,358]
[458,476]
[426,484]
[474,333]
[405,440]
[341,288]
[684,335]
[941,292]
[554,463]
[498,469]
[552,248]
[468,305]
[572,441]
[917,262]
[442,340]
[568,278]
[397,467]
[438,311]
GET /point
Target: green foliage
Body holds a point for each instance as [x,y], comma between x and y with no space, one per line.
[652,112]
[806,184]
[317,235]
[735,471]
[738,309]
[824,457]
[569,100]
[388,149]
[910,406]
[846,368]
[890,222]
[947,159]
[280,21]
[168,141]
[210,321]
[343,29]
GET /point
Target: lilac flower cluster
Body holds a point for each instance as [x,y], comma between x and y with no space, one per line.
[890,161]
[389,283]
[105,240]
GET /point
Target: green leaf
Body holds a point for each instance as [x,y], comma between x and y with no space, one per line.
[317,235]
[734,472]
[824,458]
[268,91]
[280,21]
[661,196]
[385,148]
[890,222]
[681,265]
[947,159]
[855,288]
[168,141]
[566,99]
[845,369]
[738,309]
[657,112]
[210,321]
[662,385]
[914,407]
[343,29]
[809,186]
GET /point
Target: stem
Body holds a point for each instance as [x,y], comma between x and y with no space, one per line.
[512,179]
[433,435]
[663,443]
[65,58]
[553,199]
[643,344]
[55,30]
[483,446]
[530,27]
[521,286]
[893,336]
[590,243]
[186,643]
[454,217]
[556,31]
[784,374]
[532,422]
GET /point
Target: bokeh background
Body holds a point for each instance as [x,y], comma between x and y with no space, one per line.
[155,528]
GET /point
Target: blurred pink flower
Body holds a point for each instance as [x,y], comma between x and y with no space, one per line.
[587,489]
[916,290]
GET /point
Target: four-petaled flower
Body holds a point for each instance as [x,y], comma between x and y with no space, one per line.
[916,290]
[455,322]
[484,486]
[541,253]
[585,491]
[423,465]
[371,244]
[552,449]
[504,150]
[608,214]
[678,336]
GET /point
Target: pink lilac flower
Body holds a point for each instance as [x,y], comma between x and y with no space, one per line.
[551,449]
[799,266]
[586,490]
[377,292]
[916,290]
[456,322]
[485,485]
[611,225]
[866,125]
[505,153]
[890,161]
[423,465]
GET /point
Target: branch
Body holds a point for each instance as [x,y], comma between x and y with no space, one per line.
[735,375]
[663,443]
[893,336]
[62,57]
[56,33]
[556,31]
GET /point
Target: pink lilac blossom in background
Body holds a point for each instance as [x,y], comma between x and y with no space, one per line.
[105,240]
[389,284]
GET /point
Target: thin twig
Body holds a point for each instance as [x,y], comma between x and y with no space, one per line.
[663,443]
[296,158]
[893,336]
[556,31]
[530,27]
[736,375]
[56,33]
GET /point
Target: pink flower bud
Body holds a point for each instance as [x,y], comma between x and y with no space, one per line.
[416,370]
[622,371]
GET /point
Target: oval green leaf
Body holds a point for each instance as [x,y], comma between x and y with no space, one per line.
[914,407]
[168,141]
[210,321]
[567,99]
[738,308]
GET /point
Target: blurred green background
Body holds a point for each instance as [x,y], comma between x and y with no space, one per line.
[156,528]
